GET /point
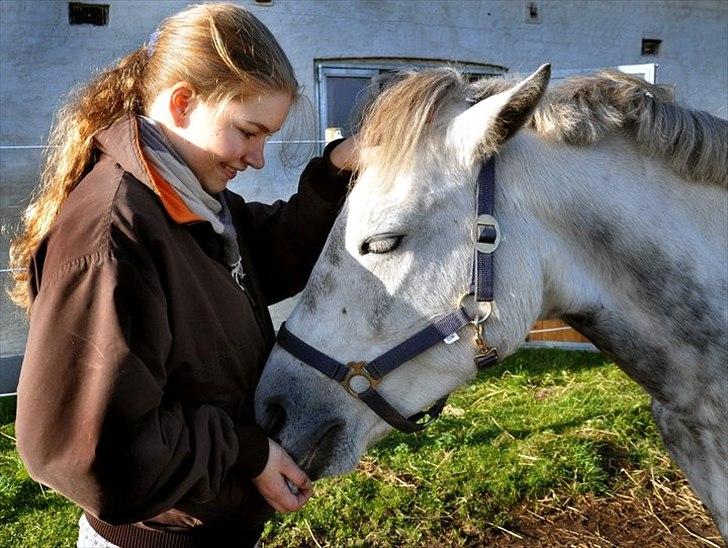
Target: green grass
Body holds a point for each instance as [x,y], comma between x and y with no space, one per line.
[30,515]
[545,423]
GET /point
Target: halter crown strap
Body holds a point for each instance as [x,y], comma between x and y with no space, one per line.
[485,234]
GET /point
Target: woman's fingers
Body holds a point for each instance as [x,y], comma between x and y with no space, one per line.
[279,496]
[294,474]
[282,483]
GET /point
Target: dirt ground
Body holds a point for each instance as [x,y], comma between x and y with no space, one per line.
[662,515]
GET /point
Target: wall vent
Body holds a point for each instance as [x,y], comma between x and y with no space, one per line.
[651,46]
[88,14]
[532,13]
[263,2]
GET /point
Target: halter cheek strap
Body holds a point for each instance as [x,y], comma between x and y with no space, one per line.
[360,379]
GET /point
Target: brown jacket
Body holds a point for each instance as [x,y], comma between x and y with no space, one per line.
[135,395]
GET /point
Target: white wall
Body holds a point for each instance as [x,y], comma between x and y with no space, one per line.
[42,57]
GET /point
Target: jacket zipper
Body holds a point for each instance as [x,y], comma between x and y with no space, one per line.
[238,276]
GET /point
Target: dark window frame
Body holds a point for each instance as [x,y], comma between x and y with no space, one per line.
[372,68]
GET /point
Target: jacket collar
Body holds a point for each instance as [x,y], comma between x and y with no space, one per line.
[121,141]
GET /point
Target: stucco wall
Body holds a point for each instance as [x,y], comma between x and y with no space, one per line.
[42,57]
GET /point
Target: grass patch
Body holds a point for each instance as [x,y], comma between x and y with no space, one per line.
[545,424]
[541,431]
[30,515]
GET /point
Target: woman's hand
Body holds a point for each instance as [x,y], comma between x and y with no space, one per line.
[345,154]
[279,473]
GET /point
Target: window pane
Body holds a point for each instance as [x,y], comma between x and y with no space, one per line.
[345,96]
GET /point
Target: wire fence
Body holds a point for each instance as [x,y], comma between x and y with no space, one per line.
[4,271]
[270,142]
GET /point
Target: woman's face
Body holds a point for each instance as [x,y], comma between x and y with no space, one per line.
[216,144]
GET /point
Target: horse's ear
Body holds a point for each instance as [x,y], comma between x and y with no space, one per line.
[484,127]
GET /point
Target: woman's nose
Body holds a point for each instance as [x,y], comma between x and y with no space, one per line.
[255,155]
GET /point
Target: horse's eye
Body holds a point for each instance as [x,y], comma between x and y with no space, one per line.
[381,243]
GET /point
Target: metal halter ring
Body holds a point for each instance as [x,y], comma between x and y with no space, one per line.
[485,304]
[357,370]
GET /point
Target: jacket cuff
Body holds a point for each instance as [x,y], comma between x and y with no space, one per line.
[252,450]
[330,183]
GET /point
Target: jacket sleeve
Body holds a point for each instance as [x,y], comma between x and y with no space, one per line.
[285,238]
[93,420]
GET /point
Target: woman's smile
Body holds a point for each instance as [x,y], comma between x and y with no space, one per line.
[230,171]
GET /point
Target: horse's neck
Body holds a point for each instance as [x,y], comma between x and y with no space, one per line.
[632,256]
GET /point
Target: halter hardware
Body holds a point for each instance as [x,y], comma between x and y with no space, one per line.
[484,311]
[358,370]
[486,355]
[360,378]
[486,233]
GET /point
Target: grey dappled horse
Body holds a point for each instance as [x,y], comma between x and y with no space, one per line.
[612,208]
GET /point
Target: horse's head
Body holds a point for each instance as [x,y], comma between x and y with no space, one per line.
[399,255]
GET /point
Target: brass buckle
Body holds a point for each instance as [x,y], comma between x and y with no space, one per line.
[357,370]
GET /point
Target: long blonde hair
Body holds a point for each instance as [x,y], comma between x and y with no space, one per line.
[222,50]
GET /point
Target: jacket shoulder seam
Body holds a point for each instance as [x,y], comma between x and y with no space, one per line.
[87,260]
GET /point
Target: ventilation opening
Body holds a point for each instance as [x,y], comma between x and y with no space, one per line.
[263,2]
[88,14]
[532,14]
[651,46]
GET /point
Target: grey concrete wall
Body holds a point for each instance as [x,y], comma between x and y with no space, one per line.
[42,57]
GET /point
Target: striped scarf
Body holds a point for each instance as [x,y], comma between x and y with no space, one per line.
[214,209]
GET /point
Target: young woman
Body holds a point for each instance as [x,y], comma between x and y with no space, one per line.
[147,283]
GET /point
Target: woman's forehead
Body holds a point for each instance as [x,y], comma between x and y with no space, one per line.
[266,112]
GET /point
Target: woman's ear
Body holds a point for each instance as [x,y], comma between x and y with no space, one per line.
[181,102]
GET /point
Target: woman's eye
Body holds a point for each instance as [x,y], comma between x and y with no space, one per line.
[380,244]
[246,134]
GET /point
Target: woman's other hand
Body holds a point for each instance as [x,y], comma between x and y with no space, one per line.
[345,154]
[273,482]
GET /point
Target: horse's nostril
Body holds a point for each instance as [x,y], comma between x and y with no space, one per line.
[326,440]
[275,418]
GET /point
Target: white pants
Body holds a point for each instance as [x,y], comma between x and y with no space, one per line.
[89,538]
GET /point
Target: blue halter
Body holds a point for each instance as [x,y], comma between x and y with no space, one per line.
[361,378]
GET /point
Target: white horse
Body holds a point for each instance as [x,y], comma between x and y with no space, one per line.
[612,208]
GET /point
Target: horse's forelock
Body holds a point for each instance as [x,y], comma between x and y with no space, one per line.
[399,120]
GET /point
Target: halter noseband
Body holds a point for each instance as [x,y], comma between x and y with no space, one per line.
[361,378]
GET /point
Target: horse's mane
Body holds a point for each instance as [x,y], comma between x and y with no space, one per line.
[579,111]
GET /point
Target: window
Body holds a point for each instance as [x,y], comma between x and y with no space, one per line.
[344,87]
[651,46]
[647,71]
